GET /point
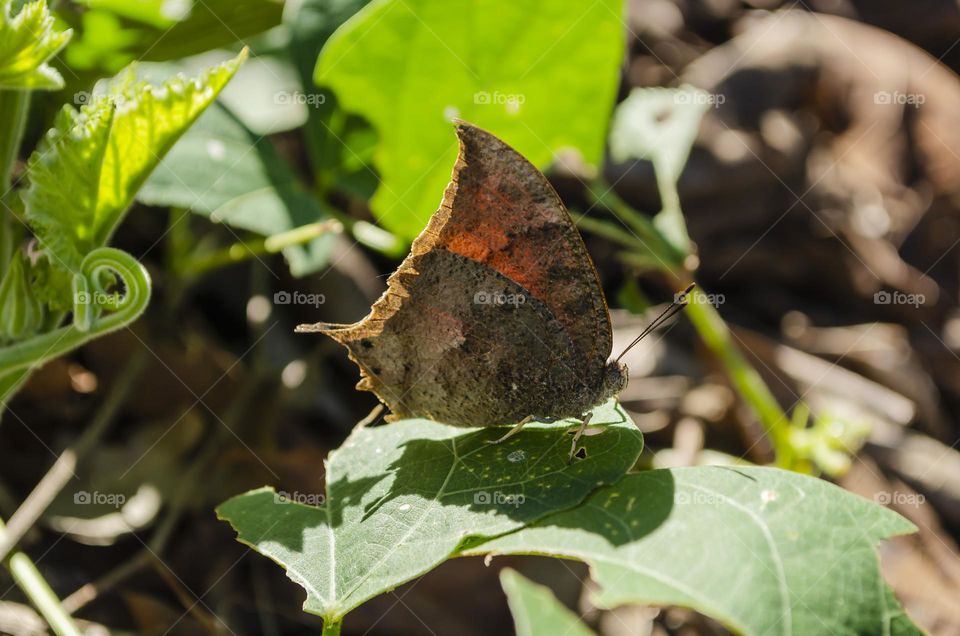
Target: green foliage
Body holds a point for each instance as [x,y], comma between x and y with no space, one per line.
[826,443]
[223,171]
[763,550]
[402,498]
[410,66]
[536,611]
[661,124]
[27,42]
[341,145]
[86,171]
[745,546]
[21,314]
[113,33]
[83,177]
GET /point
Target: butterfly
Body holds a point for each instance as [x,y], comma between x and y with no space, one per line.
[497,315]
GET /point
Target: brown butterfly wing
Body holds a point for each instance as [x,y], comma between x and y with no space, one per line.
[458,357]
[431,347]
[501,211]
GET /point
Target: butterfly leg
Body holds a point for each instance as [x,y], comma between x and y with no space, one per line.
[513,431]
[584,420]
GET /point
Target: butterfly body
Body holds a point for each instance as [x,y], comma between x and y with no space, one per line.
[497,313]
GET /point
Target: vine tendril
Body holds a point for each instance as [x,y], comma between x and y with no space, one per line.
[96,310]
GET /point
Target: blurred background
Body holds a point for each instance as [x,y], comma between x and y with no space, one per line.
[821,195]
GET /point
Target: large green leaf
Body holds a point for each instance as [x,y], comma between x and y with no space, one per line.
[88,168]
[27,42]
[541,74]
[401,498]
[223,171]
[536,611]
[762,550]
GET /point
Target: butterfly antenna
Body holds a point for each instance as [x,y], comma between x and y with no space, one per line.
[675,307]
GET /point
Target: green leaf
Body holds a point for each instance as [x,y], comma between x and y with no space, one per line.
[536,611]
[762,550]
[113,33]
[340,145]
[401,498]
[20,312]
[27,42]
[85,173]
[211,24]
[661,124]
[223,171]
[540,74]
[161,14]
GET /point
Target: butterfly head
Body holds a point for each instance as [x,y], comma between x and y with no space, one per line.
[615,378]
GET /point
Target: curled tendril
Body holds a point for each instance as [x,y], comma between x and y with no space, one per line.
[96,311]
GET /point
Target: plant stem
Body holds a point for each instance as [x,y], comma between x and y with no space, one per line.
[716,335]
[243,250]
[612,232]
[28,578]
[651,238]
[14,106]
[669,221]
[331,628]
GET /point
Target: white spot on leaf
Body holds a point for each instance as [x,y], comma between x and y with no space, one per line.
[216,150]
